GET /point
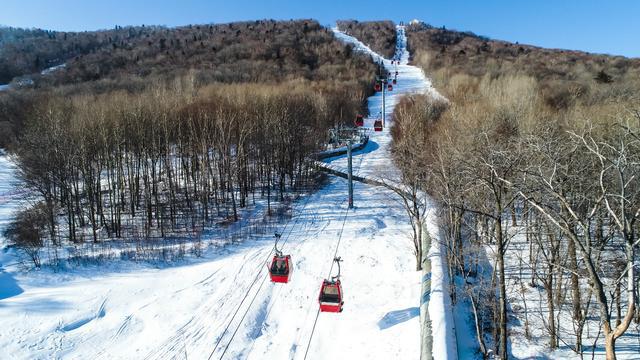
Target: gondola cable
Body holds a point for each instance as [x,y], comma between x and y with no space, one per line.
[251,286]
[344,221]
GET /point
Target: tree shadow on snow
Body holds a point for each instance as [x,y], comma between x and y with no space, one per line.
[370,147]
[398,316]
[8,286]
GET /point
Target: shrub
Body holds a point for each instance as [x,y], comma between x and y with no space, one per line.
[27,231]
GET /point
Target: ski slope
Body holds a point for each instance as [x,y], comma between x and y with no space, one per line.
[223,306]
[376,157]
[377,164]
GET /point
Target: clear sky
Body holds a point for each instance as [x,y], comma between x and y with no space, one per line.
[606,26]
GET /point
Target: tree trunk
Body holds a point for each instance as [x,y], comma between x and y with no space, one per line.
[553,342]
[503,291]
[610,346]
[479,334]
[575,296]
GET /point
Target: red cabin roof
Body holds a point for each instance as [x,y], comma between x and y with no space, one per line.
[377,125]
[281,269]
[330,297]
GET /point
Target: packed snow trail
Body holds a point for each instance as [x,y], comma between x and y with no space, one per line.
[376,156]
[125,310]
[378,166]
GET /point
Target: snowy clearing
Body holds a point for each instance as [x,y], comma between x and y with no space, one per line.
[519,277]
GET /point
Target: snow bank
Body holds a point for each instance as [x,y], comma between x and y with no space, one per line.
[52,69]
[440,308]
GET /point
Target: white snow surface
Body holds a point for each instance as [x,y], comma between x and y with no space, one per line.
[627,346]
[137,311]
[4,87]
[51,69]
[223,305]
[376,156]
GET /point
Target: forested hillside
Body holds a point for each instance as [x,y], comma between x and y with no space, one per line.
[535,159]
[28,51]
[266,52]
[165,134]
[380,36]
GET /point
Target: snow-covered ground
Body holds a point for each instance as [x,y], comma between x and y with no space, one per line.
[51,69]
[376,156]
[10,200]
[223,305]
[26,80]
[518,277]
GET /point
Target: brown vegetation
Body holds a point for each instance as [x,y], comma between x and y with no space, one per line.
[192,141]
[540,144]
[130,58]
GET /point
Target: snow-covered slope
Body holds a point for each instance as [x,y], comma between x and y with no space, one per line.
[223,305]
[377,164]
[376,157]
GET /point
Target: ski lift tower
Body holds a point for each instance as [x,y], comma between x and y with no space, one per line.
[382,79]
[349,135]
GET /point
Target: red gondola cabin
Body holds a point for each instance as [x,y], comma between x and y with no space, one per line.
[377,125]
[359,120]
[377,87]
[280,269]
[330,298]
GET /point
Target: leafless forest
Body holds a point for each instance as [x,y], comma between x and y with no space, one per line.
[166,132]
[535,160]
[152,133]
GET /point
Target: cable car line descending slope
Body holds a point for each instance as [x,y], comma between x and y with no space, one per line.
[283,321]
[335,256]
[264,278]
[259,272]
[260,256]
[241,318]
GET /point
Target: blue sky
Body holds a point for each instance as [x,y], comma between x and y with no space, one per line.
[597,26]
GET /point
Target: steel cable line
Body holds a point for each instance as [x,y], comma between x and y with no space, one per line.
[264,278]
[344,221]
[257,277]
[259,288]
